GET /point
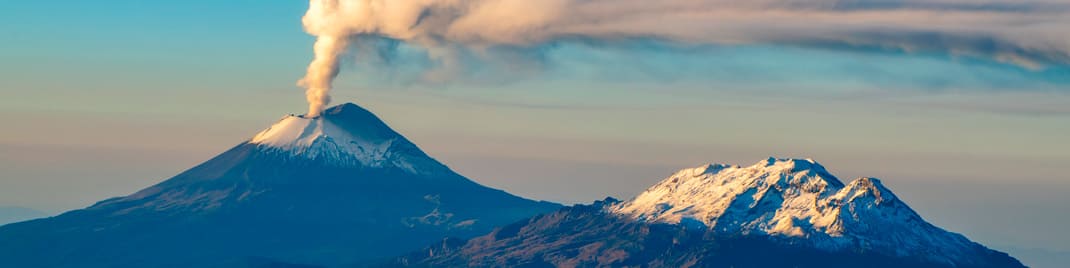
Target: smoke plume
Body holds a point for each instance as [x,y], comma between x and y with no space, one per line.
[1027,33]
[321,72]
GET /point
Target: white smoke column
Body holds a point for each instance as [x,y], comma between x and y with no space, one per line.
[321,73]
[330,45]
[1030,33]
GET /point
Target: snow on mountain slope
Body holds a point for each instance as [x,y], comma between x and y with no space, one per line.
[799,201]
[346,135]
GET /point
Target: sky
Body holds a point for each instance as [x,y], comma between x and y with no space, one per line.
[102,98]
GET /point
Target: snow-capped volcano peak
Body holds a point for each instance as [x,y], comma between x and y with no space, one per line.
[345,135]
[796,200]
[707,193]
[791,164]
[294,132]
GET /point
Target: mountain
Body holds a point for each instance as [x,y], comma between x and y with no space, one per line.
[17,214]
[776,213]
[335,190]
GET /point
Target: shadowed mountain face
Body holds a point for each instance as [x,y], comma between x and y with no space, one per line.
[336,190]
[776,213]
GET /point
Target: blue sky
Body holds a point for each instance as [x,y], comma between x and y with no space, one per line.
[102,98]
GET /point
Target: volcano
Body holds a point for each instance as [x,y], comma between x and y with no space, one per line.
[336,190]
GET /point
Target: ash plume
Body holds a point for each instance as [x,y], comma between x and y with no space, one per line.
[1028,33]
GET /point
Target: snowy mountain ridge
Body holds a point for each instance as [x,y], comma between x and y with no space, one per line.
[798,201]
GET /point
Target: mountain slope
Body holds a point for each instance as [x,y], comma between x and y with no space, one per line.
[335,190]
[777,213]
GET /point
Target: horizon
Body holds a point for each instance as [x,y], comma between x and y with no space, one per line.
[104,99]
